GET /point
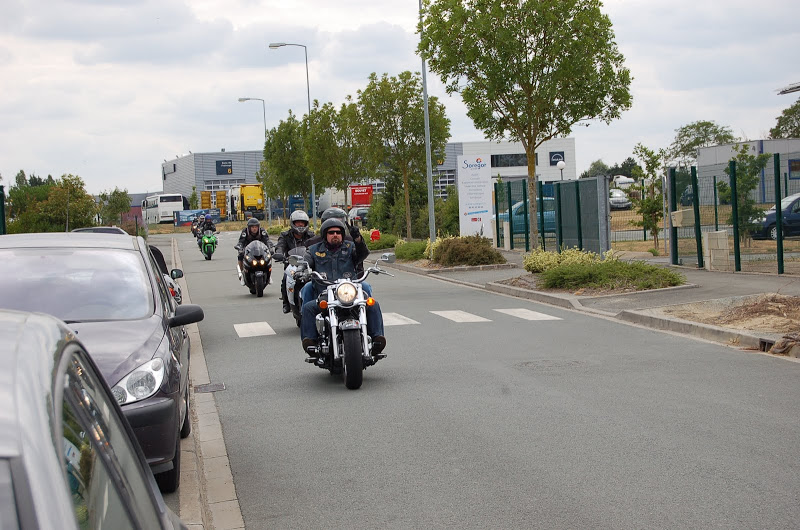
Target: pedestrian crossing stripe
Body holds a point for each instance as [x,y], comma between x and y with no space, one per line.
[253,329]
[526,314]
[396,319]
[460,316]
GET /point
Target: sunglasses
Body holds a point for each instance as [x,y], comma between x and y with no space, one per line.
[335,232]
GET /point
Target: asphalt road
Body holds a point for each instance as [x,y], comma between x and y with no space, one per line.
[574,421]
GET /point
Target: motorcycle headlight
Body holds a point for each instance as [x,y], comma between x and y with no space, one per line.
[262,262]
[141,383]
[346,293]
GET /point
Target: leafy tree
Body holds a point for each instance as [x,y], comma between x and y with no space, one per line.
[55,207]
[788,125]
[748,171]
[650,200]
[596,168]
[113,205]
[393,132]
[194,201]
[695,135]
[529,69]
[626,168]
[283,171]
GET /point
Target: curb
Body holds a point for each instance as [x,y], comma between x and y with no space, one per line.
[208,499]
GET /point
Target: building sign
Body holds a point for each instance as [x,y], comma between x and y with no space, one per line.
[224,167]
[360,195]
[556,157]
[794,169]
[474,195]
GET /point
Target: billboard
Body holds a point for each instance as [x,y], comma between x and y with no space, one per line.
[185,217]
[474,195]
[224,167]
[361,195]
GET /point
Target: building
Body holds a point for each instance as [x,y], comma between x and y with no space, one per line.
[210,171]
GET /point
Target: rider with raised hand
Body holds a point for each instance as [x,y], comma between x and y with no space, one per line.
[297,235]
[250,233]
[352,233]
[335,258]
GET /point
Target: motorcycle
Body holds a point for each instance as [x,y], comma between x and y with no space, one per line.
[195,228]
[344,346]
[296,278]
[257,266]
[208,243]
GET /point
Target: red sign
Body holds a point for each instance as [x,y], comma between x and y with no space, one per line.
[361,195]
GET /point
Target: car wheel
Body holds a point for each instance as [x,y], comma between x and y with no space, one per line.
[186,428]
[773,233]
[168,481]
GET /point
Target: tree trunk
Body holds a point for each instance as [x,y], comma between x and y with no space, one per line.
[530,152]
[408,202]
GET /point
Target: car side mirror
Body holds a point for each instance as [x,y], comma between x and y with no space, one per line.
[186,314]
[278,256]
[176,273]
[388,257]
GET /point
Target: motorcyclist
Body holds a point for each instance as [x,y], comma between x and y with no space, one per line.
[352,233]
[335,258]
[206,224]
[297,235]
[250,233]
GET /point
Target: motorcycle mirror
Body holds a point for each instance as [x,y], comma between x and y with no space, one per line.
[388,257]
[278,256]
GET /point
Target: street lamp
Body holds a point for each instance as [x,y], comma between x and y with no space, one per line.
[561,165]
[263,106]
[275,46]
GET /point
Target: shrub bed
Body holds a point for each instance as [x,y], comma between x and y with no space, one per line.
[410,251]
[610,274]
[386,241]
[469,250]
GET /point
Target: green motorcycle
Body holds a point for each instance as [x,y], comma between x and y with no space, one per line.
[207,243]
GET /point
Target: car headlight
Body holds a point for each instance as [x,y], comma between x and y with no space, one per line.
[141,383]
[346,293]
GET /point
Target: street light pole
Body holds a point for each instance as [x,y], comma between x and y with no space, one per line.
[561,165]
[264,108]
[275,46]
[431,215]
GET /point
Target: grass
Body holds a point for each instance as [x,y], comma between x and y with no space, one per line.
[610,275]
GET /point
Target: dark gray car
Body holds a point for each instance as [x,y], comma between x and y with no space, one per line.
[111,292]
[68,458]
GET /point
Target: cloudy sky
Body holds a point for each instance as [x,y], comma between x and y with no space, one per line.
[108,89]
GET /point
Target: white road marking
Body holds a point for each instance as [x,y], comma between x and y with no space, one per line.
[253,329]
[396,319]
[460,316]
[526,314]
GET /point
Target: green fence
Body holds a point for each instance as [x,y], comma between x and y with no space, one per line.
[511,207]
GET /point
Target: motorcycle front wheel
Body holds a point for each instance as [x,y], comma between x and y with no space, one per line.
[260,284]
[353,361]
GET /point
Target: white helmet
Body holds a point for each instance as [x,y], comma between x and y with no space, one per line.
[299,215]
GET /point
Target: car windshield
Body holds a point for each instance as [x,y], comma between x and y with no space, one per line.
[618,194]
[75,284]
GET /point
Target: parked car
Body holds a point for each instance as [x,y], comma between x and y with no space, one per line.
[358,215]
[110,291]
[687,196]
[790,220]
[68,457]
[618,200]
[102,230]
[518,216]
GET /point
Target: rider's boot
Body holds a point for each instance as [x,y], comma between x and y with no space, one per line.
[378,344]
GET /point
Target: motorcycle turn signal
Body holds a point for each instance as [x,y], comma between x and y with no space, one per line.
[370,301]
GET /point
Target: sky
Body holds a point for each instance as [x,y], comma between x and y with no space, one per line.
[109,89]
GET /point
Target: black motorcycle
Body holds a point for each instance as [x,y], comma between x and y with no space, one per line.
[297,275]
[257,266]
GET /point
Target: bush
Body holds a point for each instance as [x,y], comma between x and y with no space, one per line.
[411,251]
[276,229]
[469,250]
[386,241]
[540,260]
[610,274]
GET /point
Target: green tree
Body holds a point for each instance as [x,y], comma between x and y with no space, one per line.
[626,168]
[691,137]
[113,204]
[788,124]
[194,200]
[283,171]
[393,132]
[650,199]
[596,168]
[55,207]
[748,176]
[529,69]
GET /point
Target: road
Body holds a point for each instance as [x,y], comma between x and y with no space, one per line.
[527,416]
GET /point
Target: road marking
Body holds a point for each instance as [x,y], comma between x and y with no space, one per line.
[527,314]
[253,329]
[460,316]
[396,319]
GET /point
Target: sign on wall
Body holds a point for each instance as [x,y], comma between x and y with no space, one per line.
[224,167]
[556,157]
[474,195]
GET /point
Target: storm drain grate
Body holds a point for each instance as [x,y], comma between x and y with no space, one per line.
[210,387]
[765,344]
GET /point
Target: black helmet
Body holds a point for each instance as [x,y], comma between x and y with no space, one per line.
[253,222]
[330,223]
[334,213]
[299,215]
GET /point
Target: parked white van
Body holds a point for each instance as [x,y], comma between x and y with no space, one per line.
[621,181]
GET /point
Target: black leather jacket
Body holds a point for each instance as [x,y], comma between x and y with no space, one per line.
[287,241]
[245,238]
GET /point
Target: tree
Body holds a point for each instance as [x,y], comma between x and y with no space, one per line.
[113,205]
[529,69]
[194,201]
[748,176]
[596,168]
[283,171]
[392,122]
[21,180]
[627,168]
[788,124]
[49,207]
[695,135]
[650,202]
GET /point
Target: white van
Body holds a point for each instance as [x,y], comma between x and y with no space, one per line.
[621,181]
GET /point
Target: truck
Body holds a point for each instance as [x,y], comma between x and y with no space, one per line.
[247,200]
